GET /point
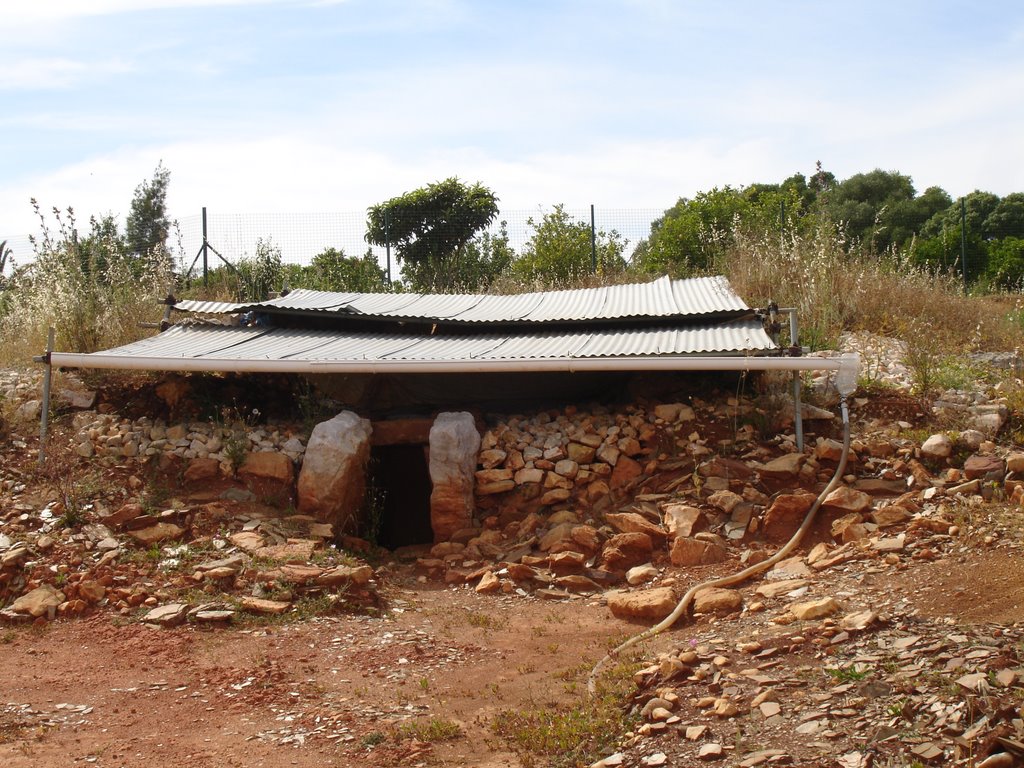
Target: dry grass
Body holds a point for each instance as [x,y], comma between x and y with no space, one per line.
[835,289]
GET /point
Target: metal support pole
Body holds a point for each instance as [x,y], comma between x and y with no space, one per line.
[387,241]
[963,240]
[798,416]
[44,415]
[205,248]
[593,242]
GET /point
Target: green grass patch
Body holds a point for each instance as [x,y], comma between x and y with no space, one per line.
[572,733]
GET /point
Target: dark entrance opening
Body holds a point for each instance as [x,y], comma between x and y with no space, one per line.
[400,480]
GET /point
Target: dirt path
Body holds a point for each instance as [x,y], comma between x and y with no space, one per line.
[329,691]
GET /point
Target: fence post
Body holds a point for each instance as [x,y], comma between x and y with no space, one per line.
[44,412]
[387,240]
[593,242]
[206,268]
[963,239]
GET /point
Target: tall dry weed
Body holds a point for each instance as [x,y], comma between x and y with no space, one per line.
[835,287]
[89,289]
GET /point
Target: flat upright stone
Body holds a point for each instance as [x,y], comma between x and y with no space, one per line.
[332,482]
[454,444]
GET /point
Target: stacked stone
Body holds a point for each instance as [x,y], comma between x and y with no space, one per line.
[571,459]
[98,434]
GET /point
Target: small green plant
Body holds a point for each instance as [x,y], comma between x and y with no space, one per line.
[7,637]
[424,684]
[846,674]
[372,739]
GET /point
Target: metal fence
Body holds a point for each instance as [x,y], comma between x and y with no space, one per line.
[231,237]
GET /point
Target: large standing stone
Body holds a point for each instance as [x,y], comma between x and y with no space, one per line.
[332,482]
[454,443]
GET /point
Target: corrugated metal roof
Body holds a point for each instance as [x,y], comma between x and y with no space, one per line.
[238,343]
[662,298]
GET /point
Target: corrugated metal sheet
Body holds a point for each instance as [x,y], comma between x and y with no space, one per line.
[235,343]
[662,298]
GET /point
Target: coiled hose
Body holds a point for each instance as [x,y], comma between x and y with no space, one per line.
[684,604]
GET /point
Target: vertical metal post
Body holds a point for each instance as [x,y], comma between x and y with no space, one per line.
[206,269]
[44,416]
[963,239]
[387,241]
[782,224]
[798,416]
[593,242]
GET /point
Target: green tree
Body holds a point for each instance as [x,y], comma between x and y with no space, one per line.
[429,226]
[1006,263]
[693,233]
[862,201]
[978,206]
[332,270]
[559,252]
[147,226]
[473,267]
[1006,219]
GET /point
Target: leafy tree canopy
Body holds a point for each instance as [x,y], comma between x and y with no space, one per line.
[560,251]
[332,270]
[427,227]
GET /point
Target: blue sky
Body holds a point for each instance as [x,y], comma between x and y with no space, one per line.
[319,105]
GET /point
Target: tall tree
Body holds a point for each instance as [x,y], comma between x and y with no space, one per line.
[147,227]
[1006,219]
[428,228]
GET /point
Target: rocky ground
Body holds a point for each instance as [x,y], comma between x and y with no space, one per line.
[147,620]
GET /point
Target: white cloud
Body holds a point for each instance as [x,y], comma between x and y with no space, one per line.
[30,74]
[16,14]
